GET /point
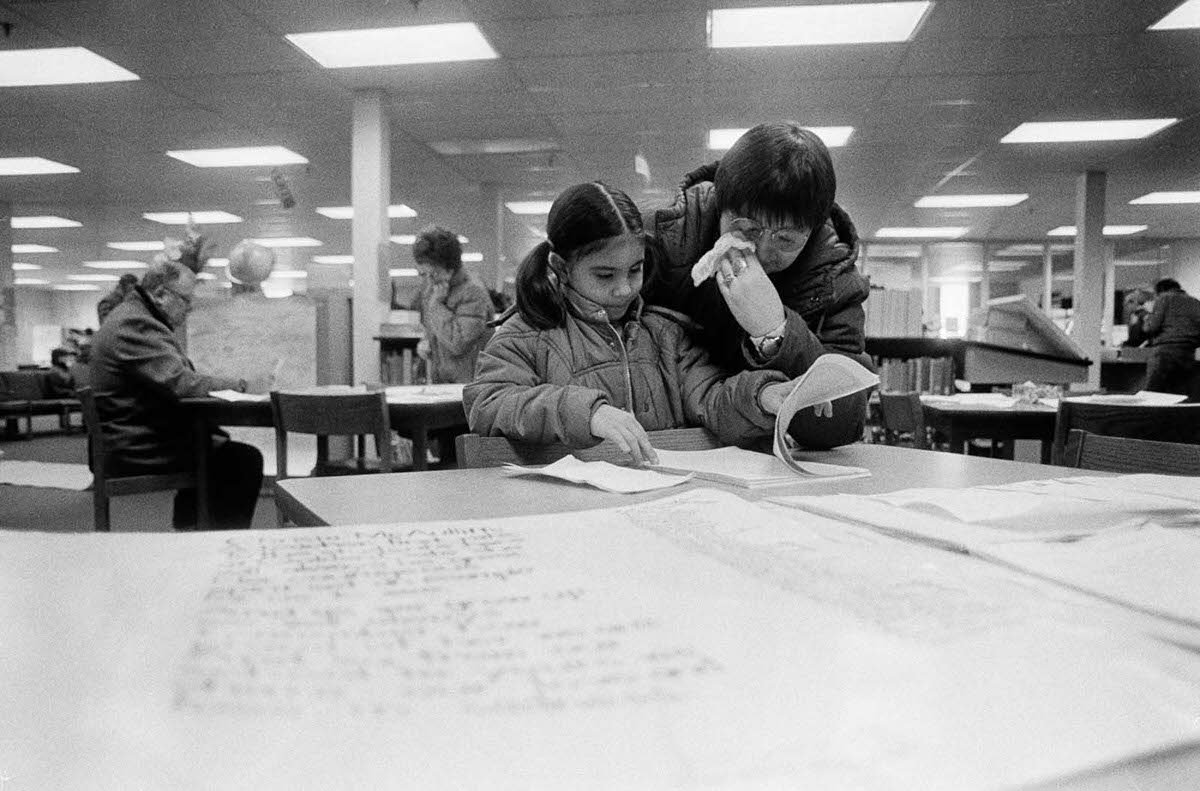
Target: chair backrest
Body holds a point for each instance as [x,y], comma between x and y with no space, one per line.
[902,414]
[1176,423]
[1121,454]
[478,451]
[331,415]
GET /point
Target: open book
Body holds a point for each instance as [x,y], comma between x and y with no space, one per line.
[832,376]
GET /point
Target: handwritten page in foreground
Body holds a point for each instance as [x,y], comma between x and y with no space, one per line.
[670,645]
[832,376]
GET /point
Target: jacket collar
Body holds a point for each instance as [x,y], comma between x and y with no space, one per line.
[591,312]
[152,306]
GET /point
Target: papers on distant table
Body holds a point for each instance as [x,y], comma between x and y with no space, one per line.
[832,376]
[424,394]
[602,475]
[234,395]
[740,467]
[48,474]
[1140,398]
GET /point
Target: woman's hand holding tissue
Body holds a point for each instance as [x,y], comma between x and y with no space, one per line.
[749,293]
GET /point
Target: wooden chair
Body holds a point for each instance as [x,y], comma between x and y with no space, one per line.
[474,450]
[1089,451]
[1177,423]
[902,415]
[331,415]
[105,486]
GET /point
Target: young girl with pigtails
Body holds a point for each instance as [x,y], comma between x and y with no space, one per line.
[583,359]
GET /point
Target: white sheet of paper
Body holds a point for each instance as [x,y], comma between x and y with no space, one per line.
[234,395]
[424,394]
[44,473]
[665,646]
[830,377]
[602,475]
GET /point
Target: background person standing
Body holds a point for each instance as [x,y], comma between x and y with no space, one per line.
[1173,327]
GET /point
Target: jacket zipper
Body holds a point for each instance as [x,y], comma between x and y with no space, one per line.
[625,367]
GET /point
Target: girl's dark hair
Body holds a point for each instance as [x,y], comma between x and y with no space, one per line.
[779,172]
[583,218]
[439,247]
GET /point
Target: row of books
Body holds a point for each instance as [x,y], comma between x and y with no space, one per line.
[893,313]
[919,374]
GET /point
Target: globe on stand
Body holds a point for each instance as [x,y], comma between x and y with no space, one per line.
[250,263]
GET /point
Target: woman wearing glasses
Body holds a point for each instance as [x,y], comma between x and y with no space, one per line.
[784,288]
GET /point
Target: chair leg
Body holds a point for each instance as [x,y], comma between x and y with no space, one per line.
[100,514]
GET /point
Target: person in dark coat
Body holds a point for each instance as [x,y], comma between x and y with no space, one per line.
[1173,327]
[139,374]
[785,287]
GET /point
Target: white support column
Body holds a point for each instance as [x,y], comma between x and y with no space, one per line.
[370,189]
[985,279]
[926,310]
[490,236]
[1110,283]
[1089,268]
[1047,280]
[8,293]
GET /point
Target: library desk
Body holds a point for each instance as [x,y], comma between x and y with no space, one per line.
[962,423]
[476,493]
[413,420]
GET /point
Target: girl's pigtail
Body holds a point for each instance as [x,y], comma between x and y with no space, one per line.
[539,295]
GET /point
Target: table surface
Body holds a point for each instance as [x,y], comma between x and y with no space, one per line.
[477,493]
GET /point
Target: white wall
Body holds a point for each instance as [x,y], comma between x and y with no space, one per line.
[41,306]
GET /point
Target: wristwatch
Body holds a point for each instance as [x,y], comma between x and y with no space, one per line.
[767,346]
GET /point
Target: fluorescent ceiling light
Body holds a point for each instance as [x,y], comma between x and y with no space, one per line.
[404,238]
[472,258]
[114,264]
[1184,16]
[403,273]
[44,222]
[944,232]
[529,206]
[95,278]
[956,279]
[252,156]
[394,46]
[137,247]
[289,274]
[30,281]
[288,241]
[205,276]
[969,201]
[1086,131]
[333,259]
[347,212]
[20,266]
[1167,198]
[450,148]
[33,248]
[32,166]
[831,136]
[193,217]
[1109,230]
[1033,249]
[790,26]
[1134,262]
[58,66]
[218,262]
[77,287]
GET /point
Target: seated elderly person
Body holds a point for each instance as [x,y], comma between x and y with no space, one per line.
[139,373]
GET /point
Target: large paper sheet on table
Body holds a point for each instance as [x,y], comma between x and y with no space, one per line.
[1136,548]
[698,641]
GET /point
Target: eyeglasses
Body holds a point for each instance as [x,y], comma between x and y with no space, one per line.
[185,299]
[785,240]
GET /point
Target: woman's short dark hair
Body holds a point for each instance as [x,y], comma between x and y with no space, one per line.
[777,172]
[437,246]
[582,219]
[1167,284]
